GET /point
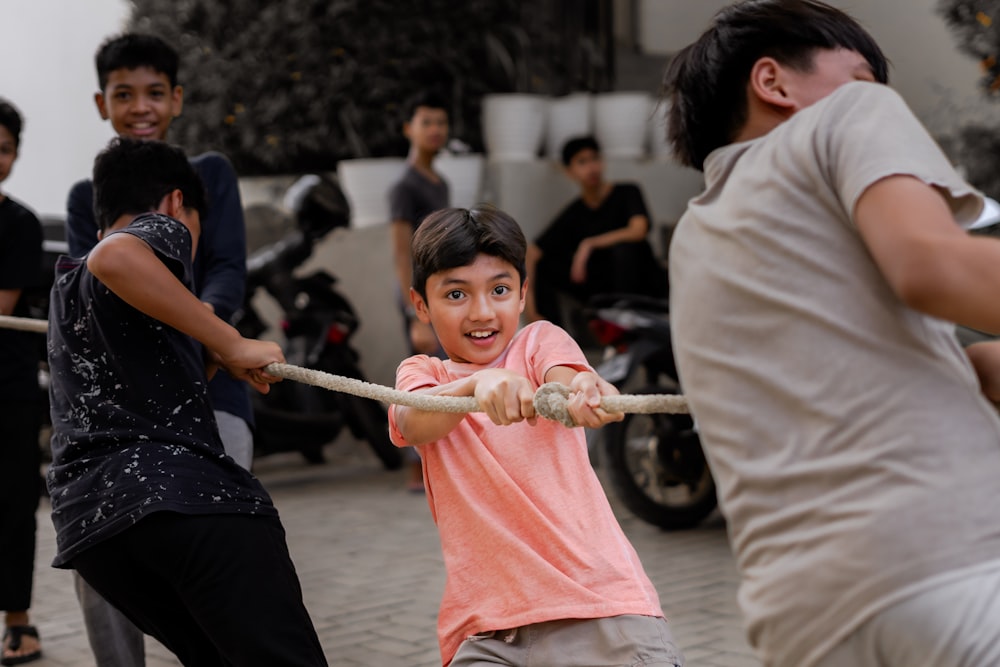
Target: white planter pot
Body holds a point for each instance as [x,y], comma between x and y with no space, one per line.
[568,117]
[464,174]
[366,183]
[620,123]
[513,125]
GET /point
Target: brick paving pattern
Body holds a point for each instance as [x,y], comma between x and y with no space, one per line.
[368,557]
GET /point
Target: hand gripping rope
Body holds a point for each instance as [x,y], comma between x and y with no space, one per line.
[550,399]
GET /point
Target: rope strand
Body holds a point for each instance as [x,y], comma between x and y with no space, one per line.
[550,399]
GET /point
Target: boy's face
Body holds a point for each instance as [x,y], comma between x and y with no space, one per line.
[8,152]
[428,129]
[475,309]
[831,69]
[586,168]
[140,103]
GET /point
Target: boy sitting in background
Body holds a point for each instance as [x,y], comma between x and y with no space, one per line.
[535,560]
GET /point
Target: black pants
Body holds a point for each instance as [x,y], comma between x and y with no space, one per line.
[625,268]
[20,460]
[217,590]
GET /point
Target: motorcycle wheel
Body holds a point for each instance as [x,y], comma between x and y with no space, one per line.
[658,469]
[368,421]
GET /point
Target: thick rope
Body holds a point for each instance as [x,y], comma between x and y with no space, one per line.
[550,399]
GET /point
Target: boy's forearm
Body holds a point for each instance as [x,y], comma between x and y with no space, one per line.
[985,358]
[636,230]
[130,269]
[420,427]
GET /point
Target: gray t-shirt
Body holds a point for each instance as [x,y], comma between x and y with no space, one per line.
[414,195]
[856,459]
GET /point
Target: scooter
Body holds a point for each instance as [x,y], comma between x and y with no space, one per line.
[655,462]
[318,323]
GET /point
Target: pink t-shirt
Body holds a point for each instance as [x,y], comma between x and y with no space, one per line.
[526,530]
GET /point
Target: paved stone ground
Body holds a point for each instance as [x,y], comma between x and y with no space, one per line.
[369,560]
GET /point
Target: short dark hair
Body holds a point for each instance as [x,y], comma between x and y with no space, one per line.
[426,98]
[132,177]
[705,83]
[132,51]
[577,144]
[453,237]
[11,119]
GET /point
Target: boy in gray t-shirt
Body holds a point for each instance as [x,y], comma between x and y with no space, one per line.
[813,283]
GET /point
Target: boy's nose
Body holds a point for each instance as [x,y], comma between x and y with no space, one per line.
[480,309]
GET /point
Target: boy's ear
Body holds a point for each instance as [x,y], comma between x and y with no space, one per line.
[524,292]
[177,100]
[420,306]
[406,129]
[768,84]
[172,204]
[102,105]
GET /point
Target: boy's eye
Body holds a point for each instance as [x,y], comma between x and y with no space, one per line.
[156,94]
[121,97]
[454,294]
[500,290]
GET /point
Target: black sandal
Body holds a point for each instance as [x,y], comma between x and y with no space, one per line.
[12,642]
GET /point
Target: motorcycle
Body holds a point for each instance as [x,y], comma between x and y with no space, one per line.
[655,462]
[318,323]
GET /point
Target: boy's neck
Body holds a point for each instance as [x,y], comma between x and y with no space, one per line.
[593,195]
[421,159]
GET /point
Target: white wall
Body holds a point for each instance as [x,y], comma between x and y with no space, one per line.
[927,68]
[47,51]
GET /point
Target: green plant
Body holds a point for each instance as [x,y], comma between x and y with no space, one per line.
[297,85]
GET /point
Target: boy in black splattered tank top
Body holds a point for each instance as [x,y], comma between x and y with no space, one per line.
[147,506]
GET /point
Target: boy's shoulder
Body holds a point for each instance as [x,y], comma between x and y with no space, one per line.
[214,168]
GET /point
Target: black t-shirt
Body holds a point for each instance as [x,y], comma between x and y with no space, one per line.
[133,429]
[20,268]
[578,221]
[414,196]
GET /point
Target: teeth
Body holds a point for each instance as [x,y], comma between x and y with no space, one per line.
[480,334]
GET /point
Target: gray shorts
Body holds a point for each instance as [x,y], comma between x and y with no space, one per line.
[618,641]
[956,623]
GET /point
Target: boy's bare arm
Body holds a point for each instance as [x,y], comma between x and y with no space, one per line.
[635,230]
[129,268]
[930,262]
[587,389]
[985,358]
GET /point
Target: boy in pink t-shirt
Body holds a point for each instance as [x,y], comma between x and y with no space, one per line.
[535,559]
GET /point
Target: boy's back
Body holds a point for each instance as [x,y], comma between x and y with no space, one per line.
[855,454]
[133,429]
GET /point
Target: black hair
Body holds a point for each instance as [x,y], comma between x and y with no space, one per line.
[132,51]
[11,119]
[453,237]
[577,144]
[705,84]
[132,177]
[426,98]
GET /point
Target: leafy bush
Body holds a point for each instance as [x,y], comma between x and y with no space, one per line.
[296,85]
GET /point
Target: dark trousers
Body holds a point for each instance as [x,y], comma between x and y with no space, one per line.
[20,459]
[625,268]
[217,590]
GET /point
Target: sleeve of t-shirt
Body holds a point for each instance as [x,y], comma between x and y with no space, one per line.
[223,238]
[21,252]
[554,236]
[634,203]
[81,226]
[549,346]
[169,239]
[401,204]
[417,372]
[867,133]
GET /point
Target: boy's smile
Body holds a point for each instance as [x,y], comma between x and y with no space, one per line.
[140,103]
[475,309]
